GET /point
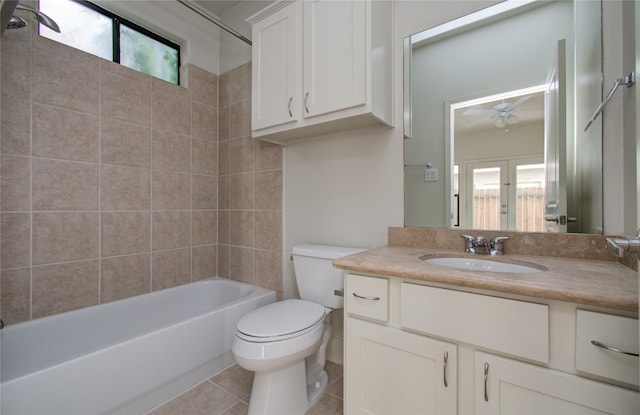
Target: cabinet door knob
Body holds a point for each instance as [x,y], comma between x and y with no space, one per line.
[612,349]
[306,102]
[486,376]
[446,358]
[366,298]
[290,113]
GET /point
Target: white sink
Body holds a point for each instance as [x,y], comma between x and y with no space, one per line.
[475,264]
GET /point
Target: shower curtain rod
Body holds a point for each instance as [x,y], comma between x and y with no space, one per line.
[213,20]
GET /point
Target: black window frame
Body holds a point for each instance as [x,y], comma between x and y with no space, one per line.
[117,20]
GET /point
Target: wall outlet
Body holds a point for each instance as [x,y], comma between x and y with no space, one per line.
[431,174]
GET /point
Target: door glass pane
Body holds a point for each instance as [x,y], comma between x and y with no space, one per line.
[486,198]
[530,198]
[140,52]
[80,27]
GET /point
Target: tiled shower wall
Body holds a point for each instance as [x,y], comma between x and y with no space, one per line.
[109,181]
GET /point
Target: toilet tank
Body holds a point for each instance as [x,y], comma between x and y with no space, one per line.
[316,276]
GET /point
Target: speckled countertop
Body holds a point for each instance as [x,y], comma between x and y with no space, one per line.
[602,283]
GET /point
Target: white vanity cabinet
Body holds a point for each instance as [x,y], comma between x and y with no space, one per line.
[390,371]
[321,66]
[511,355]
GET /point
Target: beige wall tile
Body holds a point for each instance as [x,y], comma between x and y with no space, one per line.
[124,94]
[241,227]
[268,156]
[171,152]
[171,229]
[171,109]
[205,157]
[125,144]
[16,63]
[241,191]
[69,82]
[205,192]
[66,236]
[125,233]
[268,226]
[124,188]
[64,287]
[16,295]
[205,227]
[203,86]
[224,192]
[241,155]
[15,233]
[240,119]
[242,264]
[64,134]
[204,121]
[15,182]
[16,126]
[268,187]
[269,270]
[63,185]
[235,85]
[224,123]
[223,261]
[204,262]
[171,268]
[224,157]
[124,276]
[171,191]
[223,227]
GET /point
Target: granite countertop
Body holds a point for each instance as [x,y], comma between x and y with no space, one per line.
[592,282]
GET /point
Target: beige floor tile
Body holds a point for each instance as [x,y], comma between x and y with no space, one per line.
[326,405]
[204,399]
[236,380]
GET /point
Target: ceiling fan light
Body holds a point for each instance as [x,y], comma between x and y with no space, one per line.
[513,119]
[500,122]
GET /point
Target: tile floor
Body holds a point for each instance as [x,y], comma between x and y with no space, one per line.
[227,393]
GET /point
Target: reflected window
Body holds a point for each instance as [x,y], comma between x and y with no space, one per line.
[91,28]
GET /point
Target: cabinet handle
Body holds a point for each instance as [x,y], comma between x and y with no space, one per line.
[366,298]
[486,375]
[446,358]
[612,349]
[306,101]
[290,113]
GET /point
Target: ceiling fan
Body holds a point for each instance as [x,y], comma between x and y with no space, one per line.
[502,113]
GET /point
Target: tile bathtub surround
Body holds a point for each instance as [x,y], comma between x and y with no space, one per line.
[110,181]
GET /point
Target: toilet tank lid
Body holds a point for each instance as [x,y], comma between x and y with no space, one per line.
[324,251]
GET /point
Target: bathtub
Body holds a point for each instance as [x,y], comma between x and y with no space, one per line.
[127,356]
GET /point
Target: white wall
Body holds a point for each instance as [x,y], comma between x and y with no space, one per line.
[234,52]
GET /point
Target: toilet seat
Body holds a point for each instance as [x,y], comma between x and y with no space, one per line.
[280,321]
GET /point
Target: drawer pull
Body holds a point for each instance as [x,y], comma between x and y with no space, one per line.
[486,375]
[366,298]
[446,358]
[290,113]
[612,349]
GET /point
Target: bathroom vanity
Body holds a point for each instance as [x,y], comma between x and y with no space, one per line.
[424,338]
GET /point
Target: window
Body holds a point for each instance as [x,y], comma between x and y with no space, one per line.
[94,30]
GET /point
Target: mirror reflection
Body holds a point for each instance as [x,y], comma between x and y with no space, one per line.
[491,105]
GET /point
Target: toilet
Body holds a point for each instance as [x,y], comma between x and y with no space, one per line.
[285,342]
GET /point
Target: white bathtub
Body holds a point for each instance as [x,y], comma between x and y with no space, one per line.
[127,356]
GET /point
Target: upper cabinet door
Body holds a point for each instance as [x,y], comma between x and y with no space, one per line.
[334,67]
[275,72]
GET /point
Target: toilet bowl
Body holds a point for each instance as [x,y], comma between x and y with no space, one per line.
[285,342]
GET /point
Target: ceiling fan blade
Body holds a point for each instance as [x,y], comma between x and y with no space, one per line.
[478,111]
[522,100]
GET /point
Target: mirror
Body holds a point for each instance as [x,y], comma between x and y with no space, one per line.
[492,101]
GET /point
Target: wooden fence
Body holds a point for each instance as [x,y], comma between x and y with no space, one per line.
[529,209]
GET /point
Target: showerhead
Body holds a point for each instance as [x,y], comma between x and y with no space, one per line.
[17,22]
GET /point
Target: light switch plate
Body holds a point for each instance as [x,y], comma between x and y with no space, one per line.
[431,174]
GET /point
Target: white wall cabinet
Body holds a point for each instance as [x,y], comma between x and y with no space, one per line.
[511,355]
[321,66]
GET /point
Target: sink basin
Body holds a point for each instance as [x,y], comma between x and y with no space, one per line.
[487,265]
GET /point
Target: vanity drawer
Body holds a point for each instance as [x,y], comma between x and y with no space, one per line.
[617,332]
[367,297]
[517,328]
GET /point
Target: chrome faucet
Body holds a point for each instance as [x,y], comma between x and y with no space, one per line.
[480,245]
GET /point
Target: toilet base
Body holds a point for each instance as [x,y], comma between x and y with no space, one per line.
[269,388]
